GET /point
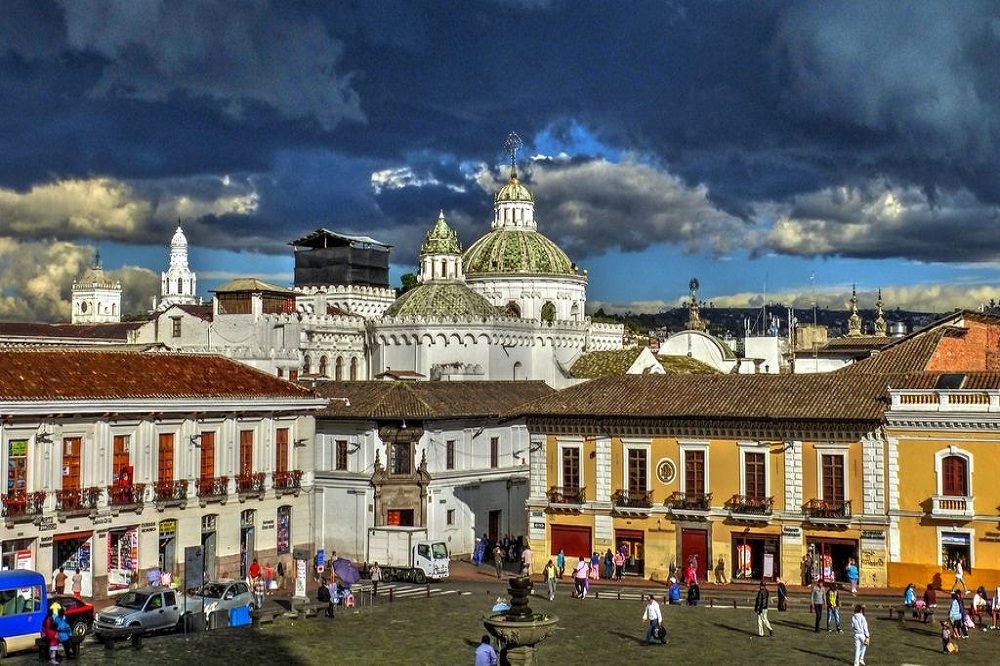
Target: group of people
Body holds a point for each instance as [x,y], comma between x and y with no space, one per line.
[505,550]
[961,618]
[76,582]
[265,580]
[815,568]
[56,629]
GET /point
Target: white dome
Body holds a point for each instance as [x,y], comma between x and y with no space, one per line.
[179,239]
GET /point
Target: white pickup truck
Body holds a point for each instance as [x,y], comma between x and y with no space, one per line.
[406,554]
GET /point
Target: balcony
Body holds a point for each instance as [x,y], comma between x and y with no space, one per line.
[689,505]
[170,493]
[287,482]
[951,506]
[750,508]
[213,489]
[824,512]
[248,485]
[22,507]
[565,498]
[130,497]
[633,502]
[77,501]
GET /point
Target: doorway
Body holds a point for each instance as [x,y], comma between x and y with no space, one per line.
[496,520]
[168,546]
[694,547]
[74,551]
[208,545]
[756,557]
[833,556]
[248,548]
[634,544]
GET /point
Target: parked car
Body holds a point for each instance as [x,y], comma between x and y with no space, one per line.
[79,613]
[218,595]
[149,609]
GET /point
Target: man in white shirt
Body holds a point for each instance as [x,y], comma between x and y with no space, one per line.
[654,617]
[859,623]
[526,561]
[960,576]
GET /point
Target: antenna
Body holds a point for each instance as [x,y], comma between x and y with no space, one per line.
[513,144]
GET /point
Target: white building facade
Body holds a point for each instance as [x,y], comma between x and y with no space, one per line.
[178,284]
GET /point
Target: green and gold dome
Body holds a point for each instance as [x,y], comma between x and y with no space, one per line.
[441,239]
[514,191]
[508,250]
[442,299]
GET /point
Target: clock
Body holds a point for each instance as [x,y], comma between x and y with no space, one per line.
[666,471]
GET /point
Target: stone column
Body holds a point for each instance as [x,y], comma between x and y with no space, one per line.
[793,477]
[538,482]
[873,476]
[602,481]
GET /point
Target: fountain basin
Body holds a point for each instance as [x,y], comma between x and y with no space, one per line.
[519,637]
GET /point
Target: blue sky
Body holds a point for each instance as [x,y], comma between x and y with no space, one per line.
[802,146]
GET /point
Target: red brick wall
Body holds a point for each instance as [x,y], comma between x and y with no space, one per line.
[977,349]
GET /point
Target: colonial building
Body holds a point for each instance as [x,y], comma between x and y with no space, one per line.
[425,454]
[116,462]
[97,298]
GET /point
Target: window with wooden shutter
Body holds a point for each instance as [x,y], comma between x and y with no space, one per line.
[571,468]
[637,471]
[833,478]
[207,455]
[341,463]
[119,457]
[754,475]
[281,450]
[694,472]
[246,452]
[954,476]
[449,462]
[165,458]
[494,452]
[72,456]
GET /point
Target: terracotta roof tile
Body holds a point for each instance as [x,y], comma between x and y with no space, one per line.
[604,363]
[47,374]
[114,331]
[426,400]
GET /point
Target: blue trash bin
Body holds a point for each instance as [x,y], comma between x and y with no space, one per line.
[239,617]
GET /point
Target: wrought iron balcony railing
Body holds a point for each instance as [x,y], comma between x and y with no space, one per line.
[248,484]
[566,495]
[690,502]
[287,480]
[23,506]
[130,495]
[629,499]
[83,500]
[213,486]
[750,505]
[818,509]
[170,491]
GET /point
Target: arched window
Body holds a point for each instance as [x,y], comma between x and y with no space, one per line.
[518,372]
[548,312]
[322,366]
[512,310]
[574,312]
[306,365]
[180,285]
[955,476]
[354,369]
[444,268]
[340,368]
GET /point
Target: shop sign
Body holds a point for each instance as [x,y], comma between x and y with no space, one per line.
[102,534]
[167,527]
[23,560]
[267,525]
[45,541]
[149,527]
[991,537]
[791,532]
[47,524]
[538,526]
[872,559]
[873,535]
[103,519]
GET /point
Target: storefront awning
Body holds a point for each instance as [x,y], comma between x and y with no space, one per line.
[72,535]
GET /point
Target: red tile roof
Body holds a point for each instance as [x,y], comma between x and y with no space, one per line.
[48,374]
[114,331]
[426,400]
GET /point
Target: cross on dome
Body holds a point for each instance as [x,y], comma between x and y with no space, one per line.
[513,144]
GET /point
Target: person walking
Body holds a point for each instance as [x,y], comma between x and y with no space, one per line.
[561,562]
[720,572]
[498,560]
[852,574]
[376,576]
[956,613]
[485,654]
[654,617]
[817,599]
[77,584]
[619,565]
[782,596]
[862,637]
[280,571]
[526,561]
[833,608]
[549,574]
[59,582]
[259,589]
[694,594]
[580,579]
[959,576]
[609,565]
[930,602]
[760,606]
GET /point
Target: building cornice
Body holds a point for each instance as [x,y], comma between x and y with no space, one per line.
[159,406]
[828,431]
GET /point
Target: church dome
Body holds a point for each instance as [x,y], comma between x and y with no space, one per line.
[441,299]
[513,191]
[506,250]
[179,239]
[441,239]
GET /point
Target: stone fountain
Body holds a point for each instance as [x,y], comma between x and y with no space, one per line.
[520,629]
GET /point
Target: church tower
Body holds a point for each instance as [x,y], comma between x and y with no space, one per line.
[178,283]
[97,299]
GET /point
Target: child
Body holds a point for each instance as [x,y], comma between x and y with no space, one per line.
[947,646]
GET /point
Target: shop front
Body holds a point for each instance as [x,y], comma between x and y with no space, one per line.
[633,543]
[74,551]
[209,541]
[694,550]
[284,537]
[168,545]
[123,558]
[756,556]
[831,557]
[17,554]
[248,545]
[573,540]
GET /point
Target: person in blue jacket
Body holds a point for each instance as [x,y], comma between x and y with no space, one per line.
[64,632]
[674,591]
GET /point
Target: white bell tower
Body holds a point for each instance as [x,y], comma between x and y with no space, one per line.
[97,299]
[178,283]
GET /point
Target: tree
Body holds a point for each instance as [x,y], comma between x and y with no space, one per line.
[409,281]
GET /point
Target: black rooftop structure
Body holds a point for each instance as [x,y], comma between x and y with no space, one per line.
[327,257]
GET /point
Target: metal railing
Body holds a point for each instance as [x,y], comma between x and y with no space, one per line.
[77,499]
[627,499]
[23,506]
[750,505]
[680,501]
[129,495]
[247,484]
[170,491]
[213,486]
[825,509]
[566,495]
[288,480]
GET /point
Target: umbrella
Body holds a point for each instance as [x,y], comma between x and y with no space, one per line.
[346,571]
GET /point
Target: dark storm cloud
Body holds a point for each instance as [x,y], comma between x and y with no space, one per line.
[730,109]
